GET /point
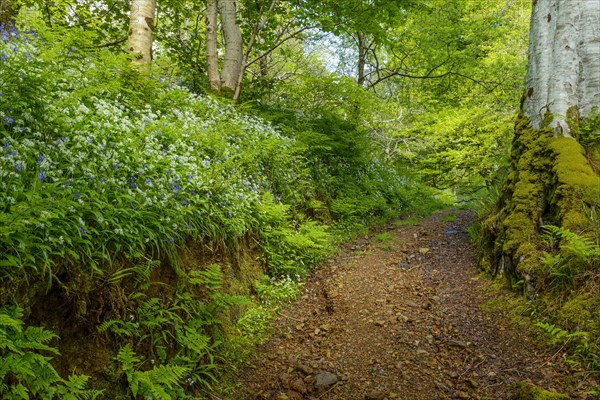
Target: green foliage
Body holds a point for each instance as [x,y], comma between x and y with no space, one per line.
[180,335]
[576,258]
[383,237]
[25,371]
[158,383]
[582,346]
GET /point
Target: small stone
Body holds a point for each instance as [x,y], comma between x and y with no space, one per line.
[422,352]
[324,380]
[456,343]
[453,374]
[379,323]
[282,396]
[305,369]
[462,395]
[298,385]
[292,395]
[423,250]
[285,380]
[375,395]
[473,383]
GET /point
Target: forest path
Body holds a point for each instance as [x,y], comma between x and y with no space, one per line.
[400,316]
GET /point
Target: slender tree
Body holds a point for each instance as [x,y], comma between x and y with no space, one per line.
[141,28]
[224,82]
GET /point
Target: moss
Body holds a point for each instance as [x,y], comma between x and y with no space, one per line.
[577,185]
[580,313]
[573,119]
[527,391]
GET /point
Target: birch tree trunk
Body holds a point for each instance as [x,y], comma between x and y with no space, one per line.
[553,179]
[141,27]
[212,56]
[563,71]
[232,37]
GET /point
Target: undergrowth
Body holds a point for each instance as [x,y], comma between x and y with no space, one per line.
[108,177]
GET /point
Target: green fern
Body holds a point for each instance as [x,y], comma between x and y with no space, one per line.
[571,258]
[158,382]
[211,277]
[24,372]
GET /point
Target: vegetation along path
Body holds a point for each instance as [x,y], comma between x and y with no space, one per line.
[402,315]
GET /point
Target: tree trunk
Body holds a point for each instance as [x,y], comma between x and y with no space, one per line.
[232,36]
[563,72]
[8,11]
[362,58]
[552,180]
[212,57]
[141,26]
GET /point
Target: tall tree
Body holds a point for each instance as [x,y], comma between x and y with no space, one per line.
[141,28]
[8,11]
[554,172]
[563,76]
[224,82]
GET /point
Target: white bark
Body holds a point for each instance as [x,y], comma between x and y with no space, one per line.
[141,27]
[564,61]
[232,36]
[212,56]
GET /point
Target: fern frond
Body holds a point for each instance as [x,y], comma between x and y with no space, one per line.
[211,277]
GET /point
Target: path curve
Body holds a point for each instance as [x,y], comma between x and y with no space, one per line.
[400,319]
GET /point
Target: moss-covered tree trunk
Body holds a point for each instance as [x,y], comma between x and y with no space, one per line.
[553,178]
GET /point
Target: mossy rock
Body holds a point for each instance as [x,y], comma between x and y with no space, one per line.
[527,391]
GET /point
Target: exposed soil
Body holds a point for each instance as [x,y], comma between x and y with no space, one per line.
[402,319]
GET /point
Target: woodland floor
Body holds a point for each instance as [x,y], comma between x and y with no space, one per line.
[407,318]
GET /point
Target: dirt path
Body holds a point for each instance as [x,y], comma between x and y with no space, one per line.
[400,319]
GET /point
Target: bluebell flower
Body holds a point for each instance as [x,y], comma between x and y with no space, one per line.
[9,120]
[185,203]
[77,195]
[6,145]
[148,181]
[82,231]
[52,198]
[42,176]
[18,167]
[116,166]
[3,57]
[41,159]
[103,181]
[171,240]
